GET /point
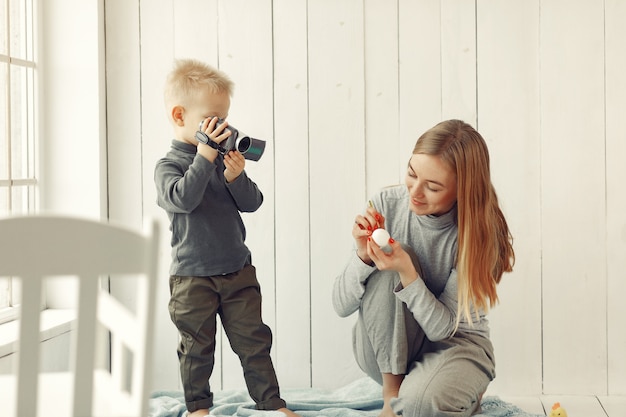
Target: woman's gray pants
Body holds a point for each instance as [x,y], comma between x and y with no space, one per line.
[443,378]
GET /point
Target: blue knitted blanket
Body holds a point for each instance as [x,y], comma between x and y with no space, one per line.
[361,398]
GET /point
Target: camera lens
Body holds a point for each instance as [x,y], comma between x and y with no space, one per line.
[244,144]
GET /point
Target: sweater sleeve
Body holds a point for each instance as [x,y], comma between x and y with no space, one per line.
[437,316]
[246,193]
[350,286]
[178,191]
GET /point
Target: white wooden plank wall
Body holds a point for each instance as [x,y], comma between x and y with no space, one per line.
[573,198]
[336,171]
[509,119]
[341,90]
[291,151]
[615,88]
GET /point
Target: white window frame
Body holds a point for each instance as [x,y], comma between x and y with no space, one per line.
[21,189]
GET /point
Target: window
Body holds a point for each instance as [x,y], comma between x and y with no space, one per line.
[18,141]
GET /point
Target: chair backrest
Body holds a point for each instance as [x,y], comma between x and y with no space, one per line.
[34,248]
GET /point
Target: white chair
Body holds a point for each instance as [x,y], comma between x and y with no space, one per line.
[34,248]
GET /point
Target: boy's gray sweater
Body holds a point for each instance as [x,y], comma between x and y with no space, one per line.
[208,233]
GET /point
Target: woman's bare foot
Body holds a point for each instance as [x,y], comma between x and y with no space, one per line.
[288,412]
[387,411]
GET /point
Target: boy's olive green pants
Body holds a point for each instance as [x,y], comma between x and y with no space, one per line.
[236,297]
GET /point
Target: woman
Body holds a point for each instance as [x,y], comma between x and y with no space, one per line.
[421,330]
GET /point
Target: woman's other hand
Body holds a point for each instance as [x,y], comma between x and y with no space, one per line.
[364,225]
[393,259]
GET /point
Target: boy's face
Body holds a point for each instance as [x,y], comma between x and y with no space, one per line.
[203,106]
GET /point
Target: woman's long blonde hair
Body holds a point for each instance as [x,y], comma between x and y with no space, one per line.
[485,249]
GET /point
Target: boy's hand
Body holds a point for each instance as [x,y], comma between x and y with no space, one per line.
[234,163]
[217,135]
[207,152]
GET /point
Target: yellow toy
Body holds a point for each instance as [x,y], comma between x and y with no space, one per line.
[558,411]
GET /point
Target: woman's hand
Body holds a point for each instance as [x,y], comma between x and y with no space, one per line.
[393,259]
[364,225]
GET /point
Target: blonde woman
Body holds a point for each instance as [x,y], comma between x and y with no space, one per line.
[421,330]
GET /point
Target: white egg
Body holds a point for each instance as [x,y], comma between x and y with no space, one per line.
[381,237]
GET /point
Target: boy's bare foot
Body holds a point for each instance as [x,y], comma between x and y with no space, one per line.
[198,413]
[288,412]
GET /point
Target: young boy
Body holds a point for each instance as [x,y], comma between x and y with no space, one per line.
[211,273]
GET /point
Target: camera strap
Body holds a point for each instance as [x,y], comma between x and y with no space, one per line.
[204,138]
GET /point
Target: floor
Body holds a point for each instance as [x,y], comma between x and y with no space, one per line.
[575,406]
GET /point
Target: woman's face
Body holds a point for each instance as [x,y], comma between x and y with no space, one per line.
[432,185]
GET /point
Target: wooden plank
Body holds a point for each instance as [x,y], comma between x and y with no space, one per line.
[613,405]
[337,172]
[510,68]
[291,151]
[573,197]
[247,59]
[123,75]
[156,34]
[196,26]
[384,164]
[458,60]
[419,72]
[123,96]
[616,196]
[587,406]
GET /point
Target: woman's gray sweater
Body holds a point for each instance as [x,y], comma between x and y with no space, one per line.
[432,299]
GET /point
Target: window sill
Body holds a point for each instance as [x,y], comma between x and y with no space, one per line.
[54,322]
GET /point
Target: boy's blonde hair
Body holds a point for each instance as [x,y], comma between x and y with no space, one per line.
[190,77]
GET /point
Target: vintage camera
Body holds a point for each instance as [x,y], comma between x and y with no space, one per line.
[249,147]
